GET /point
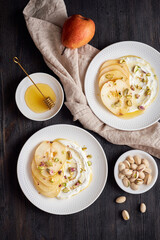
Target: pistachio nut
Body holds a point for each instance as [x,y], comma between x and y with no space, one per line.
[121,199]
[127,171]
[147,179]
[126,163]
[137,159]
[125,215]
[134,166]
[139,181]
[132,179]
[143,208]
[147,170]
[130,159]
[141,167]
[134,186]
[145,162]
[141,175]
[126,182]
[121,176]
[135,174]
[121,166]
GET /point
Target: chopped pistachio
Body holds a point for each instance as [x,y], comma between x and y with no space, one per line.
[82,170]
[137,96]
[64,184]
[141,108]
[50,171]
[89,163]
[109,76]
[132,88]
[109,96]
[129,96]
[129,103]
[89,156]
[113,106]
[84,148]
[41,168]
[51,180]
[125,92]
[148,74]
[117,104]
[65,190]
[69,155]
[49,163]
[54,154]
[138,87]
[136,68]
[148,91]
[115,83]
[155,75]
[122,61]
[56,160]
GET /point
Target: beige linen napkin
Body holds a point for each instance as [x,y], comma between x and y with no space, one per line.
[44,19]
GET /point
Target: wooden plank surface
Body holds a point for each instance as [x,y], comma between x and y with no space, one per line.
[115,21]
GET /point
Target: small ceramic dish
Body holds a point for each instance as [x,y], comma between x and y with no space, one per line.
[152,164]
[39,78]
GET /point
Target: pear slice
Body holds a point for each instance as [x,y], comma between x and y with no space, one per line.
[115,62]
[50,157]
[48,191]
[114,95]
[111,75]
[115,67]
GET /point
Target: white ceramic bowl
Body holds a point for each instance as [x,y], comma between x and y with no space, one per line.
[39,78]
[152,164]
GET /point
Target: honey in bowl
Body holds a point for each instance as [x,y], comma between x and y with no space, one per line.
[34,99]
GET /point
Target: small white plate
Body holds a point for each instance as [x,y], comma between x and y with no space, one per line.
[79,201]
[152,163]
[151,114]
[39,78]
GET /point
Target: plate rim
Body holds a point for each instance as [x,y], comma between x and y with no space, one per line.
[44,119]
[105,161]
[85,88]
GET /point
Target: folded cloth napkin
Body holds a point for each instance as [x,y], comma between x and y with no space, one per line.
[44,19]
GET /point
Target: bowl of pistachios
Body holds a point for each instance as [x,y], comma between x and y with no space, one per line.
[135,171]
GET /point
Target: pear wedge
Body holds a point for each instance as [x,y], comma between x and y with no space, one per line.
[114,95]
[111,76]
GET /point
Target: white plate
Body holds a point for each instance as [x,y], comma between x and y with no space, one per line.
[152,113]
[39,78]
[81,200]
[152,164]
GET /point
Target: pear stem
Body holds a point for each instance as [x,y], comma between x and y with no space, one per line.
[63,51]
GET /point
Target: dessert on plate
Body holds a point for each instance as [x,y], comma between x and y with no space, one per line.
[128,85]
[61,168]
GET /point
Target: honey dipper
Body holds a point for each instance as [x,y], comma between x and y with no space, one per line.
[47,100]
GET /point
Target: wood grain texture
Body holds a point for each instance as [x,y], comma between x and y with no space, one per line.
[115,21]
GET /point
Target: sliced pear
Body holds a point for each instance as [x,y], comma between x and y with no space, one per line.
[50,157]
[114,95]
[115,62]
[115,67]
[111,75]
[49,191]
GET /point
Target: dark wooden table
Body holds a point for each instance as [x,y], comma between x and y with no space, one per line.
[115,21]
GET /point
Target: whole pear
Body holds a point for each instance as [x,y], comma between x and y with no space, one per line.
[77,31]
